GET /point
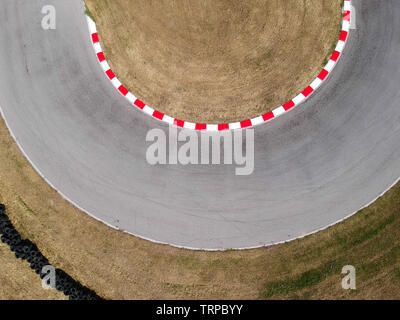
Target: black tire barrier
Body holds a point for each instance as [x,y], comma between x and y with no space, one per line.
[24,249]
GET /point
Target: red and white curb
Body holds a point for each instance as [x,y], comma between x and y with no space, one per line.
[306,93]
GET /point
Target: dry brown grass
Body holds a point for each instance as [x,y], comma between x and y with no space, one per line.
[119,266]
[18,281]
[217,61]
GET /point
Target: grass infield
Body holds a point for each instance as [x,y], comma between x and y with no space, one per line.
[217,61]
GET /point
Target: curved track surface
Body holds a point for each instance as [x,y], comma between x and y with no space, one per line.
[313,166]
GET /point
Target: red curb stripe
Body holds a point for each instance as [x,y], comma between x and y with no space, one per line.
[347,15]
[245,124]
[335,56]
[288,105]
[201,126]
[343,36]
[268,116]
[223,126]
[324,73]
[179,123]
[101,56]
[110,74]
[158,115]
[95,38]
[307,91]
[139,104]
[123,90]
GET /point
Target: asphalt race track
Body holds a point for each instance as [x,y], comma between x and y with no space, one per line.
[314,166]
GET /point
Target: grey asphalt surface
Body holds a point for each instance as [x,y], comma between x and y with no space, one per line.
[313,166]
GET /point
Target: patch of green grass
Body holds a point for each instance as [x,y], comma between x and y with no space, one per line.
[173,285]
[361,235]
[371,245]
[305,280]
[315,276]
[373,268]
[88,13]
[27,208]
[189,262]
[397,275]
[328,57]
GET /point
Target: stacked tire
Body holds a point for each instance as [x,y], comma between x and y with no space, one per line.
[26,250]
